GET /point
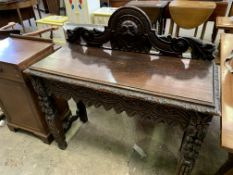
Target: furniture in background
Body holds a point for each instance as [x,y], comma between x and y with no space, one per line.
[101,16]
[155,10]
[54,22]
[18,11]
[80,12]
[118,3]
[17,97]
[190,14]
[224,22]
[138,90]
[227,102]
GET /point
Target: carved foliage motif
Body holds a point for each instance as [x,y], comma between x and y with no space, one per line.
[192,141]
[133,107]
[47,108]
[129,29]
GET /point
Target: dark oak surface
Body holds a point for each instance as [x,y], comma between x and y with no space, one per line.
[166,76]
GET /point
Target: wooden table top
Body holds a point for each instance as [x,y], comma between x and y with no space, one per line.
[169,77]
[17,51]
[193,4]
[150,4]
[227,94]
[224,23]
[10,5]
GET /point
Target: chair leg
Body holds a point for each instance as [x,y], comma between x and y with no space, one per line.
[215,33]
[177,31]
[195,33]
[203,30]
[171,27]
[39,12]
[20,19]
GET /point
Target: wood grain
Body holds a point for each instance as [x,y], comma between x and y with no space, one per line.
[191,14]
[167,76]
[227,94]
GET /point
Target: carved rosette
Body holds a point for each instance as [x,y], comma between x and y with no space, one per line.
[129,29]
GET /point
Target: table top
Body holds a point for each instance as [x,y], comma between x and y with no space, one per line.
[18,51]
[227,94]
[14,4]
[148,4]
[224,23]
[169,77]
[193,4]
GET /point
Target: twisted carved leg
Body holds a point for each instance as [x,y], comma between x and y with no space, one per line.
[191,144]
[46,103]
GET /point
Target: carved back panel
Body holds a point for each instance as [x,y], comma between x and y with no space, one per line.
[129,29]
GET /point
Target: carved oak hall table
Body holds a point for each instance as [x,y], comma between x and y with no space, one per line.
[128,77]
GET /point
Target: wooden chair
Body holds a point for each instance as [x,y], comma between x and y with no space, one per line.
[5,31]
[190,14]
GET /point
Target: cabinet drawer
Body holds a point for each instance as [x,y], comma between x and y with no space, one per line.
[10,72]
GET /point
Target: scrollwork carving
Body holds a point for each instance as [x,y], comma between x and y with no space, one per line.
[129,29]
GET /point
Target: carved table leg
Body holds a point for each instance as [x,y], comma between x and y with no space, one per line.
[81,112]
[191,144]
[227,166]
[46,103]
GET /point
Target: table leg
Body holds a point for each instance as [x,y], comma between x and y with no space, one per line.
[81,112]
[47,106]
[227,166]
[20,19]
[191,144]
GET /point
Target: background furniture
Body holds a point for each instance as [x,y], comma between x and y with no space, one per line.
[17,98]
[102,15]
[227,103]
[81,13]
[17,10]
[155,10]
[190,14]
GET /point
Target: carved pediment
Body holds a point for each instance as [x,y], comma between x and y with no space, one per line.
[129,29]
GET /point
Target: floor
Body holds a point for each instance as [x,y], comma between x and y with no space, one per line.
[109,144]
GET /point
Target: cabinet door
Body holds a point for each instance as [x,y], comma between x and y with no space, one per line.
[18,105]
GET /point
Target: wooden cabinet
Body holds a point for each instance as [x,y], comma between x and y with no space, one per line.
[17,97]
